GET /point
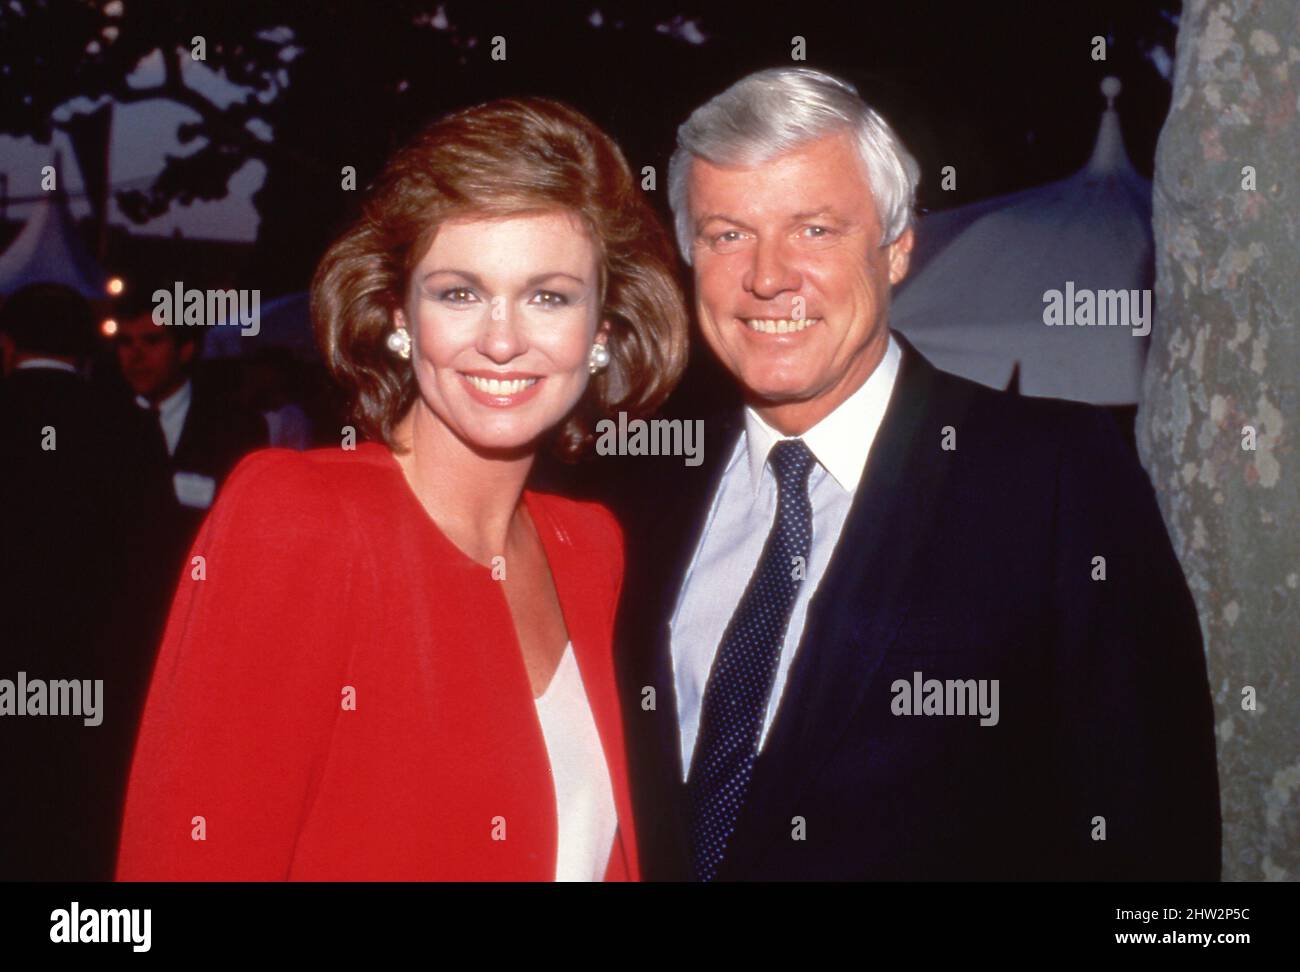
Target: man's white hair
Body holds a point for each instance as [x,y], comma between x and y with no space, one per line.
[769,113]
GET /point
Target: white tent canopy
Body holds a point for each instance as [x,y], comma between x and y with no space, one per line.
[49,249]
[975,305]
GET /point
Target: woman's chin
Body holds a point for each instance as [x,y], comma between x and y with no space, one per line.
[509,443]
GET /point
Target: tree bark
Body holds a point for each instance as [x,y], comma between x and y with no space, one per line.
[1217,424]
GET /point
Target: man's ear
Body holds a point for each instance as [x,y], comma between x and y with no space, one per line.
[186,353]
[900,256]
[6,353]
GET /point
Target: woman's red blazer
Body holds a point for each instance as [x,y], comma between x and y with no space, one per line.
[340,695]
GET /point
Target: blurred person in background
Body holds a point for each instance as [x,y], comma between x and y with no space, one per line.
[202,428]
[84,498]
[273,386]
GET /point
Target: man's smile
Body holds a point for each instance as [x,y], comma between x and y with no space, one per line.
[778,325]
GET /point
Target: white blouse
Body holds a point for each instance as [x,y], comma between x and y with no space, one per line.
[584,795]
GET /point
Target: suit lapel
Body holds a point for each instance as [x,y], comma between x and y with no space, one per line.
[183,454]
[858,608]
[669,529]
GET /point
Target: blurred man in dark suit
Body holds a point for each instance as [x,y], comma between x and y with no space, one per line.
[84,498]
[204,430]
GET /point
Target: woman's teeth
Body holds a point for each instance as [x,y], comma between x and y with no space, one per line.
[770,326]
[494,386]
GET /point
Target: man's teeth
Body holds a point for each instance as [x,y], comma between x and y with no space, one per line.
[494,386]
[770,326]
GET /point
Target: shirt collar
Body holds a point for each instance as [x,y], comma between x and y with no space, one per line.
[177,401]
[842,440]
[45,363]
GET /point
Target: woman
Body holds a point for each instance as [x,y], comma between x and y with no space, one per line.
[392,661]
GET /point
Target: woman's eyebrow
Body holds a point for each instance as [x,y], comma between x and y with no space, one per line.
[477,281]
[472,278]
[542,277]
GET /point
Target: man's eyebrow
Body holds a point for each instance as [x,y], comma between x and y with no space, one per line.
[719,217]
[819,213]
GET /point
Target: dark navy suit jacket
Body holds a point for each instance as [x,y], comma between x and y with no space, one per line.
[975,562]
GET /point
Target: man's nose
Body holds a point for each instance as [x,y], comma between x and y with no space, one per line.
[501,338]
[772,272]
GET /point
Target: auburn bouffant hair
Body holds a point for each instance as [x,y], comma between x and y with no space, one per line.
[505,158]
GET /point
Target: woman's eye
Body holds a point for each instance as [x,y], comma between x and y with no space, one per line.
[457,295]
[549,298]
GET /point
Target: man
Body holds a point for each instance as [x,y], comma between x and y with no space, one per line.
[204,432]
[82,496]
[897,625]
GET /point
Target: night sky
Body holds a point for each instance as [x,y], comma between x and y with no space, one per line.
[1006,92]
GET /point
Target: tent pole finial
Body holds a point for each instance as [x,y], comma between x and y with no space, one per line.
[1110,87]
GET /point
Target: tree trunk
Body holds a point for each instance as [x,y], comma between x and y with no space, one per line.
[1217,425]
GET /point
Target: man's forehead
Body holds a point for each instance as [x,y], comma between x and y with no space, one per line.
[822,178]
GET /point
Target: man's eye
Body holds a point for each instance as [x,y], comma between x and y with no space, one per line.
[549,298]
[727,240]
[816,231]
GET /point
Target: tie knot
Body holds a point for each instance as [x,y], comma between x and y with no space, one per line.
[791,460]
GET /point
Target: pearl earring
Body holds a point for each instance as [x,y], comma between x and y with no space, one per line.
[599,358]
[399,342]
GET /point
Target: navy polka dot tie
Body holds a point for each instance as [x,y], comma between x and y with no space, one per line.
[740,681]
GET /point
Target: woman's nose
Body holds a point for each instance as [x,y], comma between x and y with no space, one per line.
[502,337]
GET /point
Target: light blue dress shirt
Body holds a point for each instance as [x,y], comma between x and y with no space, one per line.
[741,517]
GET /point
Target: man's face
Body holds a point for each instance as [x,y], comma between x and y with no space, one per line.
[152,362]
[792,285]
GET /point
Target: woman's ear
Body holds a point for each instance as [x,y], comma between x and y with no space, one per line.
[602,332]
